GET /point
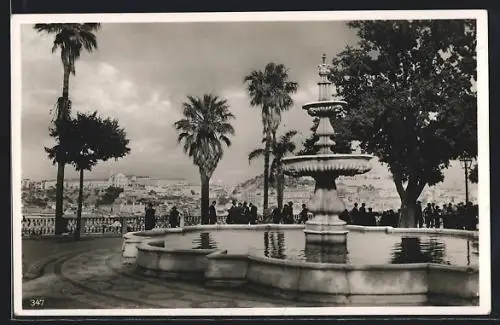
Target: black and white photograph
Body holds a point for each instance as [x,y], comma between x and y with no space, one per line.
[251,164]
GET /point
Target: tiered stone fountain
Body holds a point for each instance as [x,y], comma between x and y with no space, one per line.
[329,274]
[325,167]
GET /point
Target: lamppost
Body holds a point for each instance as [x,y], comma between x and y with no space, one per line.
[467,164]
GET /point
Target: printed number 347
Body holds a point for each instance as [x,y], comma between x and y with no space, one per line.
[37,302]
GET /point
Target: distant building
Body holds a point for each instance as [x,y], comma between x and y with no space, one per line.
[118,180]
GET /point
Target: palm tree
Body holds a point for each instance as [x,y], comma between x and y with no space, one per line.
[89,139]
[70,39]
[280,149]
[205,126]
[270,89]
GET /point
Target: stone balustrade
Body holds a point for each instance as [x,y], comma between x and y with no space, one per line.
[44,225]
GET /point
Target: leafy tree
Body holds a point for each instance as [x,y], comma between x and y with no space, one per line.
[89,139]
[271,90]
[279,150]
[342,139]
[202,131]
[410,87]
[110,195]
[69,39]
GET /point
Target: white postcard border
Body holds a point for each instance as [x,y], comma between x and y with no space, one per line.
[483,157]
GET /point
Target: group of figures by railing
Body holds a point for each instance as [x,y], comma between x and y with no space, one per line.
[39,226]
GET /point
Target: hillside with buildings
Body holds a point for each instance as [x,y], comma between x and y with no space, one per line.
[377,191]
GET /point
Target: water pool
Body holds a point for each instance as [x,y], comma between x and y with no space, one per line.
[361,248]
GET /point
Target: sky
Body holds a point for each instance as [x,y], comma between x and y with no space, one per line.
[142,73]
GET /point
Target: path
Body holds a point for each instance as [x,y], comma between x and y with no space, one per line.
[89,274]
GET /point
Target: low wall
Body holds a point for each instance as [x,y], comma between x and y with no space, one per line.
[154,259]
[339,284]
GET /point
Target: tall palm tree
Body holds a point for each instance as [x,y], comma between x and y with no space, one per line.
[69,39]
[203,130]
[279,150]
[271,90]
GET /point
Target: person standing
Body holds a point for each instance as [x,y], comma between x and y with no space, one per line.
[276,215]
[231,213]
[362,215]
[355,214]
[245,213]
[149,218]
[344,216]
[304,214]
[419,215]
[174,217]
[290,214]
[212,214]
[428,215]
[253,214]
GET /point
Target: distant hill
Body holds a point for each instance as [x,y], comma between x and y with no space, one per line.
[257,182]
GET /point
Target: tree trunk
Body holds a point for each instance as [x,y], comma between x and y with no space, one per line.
[65,90]
[280,180]
[62,113]
[59,222]
[205,198]
[266,171]
[79,211]
[407,217]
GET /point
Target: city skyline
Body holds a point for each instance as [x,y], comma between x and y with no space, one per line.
[143,81]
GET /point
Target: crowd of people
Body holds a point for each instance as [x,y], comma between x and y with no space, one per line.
[459,216]
[451,216]
[173,218]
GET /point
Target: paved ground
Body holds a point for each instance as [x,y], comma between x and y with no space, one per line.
[62,274]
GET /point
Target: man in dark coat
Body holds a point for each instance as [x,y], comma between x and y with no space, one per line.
[253,214]
[212,214]
[174,218]
[304,214]
[355,214]
[231,213]
[149,218]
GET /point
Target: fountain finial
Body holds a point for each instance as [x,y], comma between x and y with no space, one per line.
[324,58]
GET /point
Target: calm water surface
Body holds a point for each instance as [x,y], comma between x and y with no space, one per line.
[361,248]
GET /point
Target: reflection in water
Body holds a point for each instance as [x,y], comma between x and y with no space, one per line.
[413,250]
[364,248]
[317,253]
[274,244]
[204,241]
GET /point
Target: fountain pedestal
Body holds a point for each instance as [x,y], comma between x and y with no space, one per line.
[325,167]
[325,226]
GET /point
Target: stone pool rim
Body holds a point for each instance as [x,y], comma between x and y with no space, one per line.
[341,284]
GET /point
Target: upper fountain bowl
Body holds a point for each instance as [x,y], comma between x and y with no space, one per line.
[326,108]
[340,164]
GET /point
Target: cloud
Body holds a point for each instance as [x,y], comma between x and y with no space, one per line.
[142,73]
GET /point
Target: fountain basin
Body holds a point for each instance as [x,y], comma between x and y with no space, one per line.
[340,164]
[347,280]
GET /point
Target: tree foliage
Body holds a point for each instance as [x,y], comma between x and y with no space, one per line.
[271,90]
[283,147]
[70,39]
[89,139]
[109,196]
[342,138]
[203,130]
[280,149]
[410,87]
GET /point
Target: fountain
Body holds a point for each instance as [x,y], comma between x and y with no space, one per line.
[325,167]
[311,262]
